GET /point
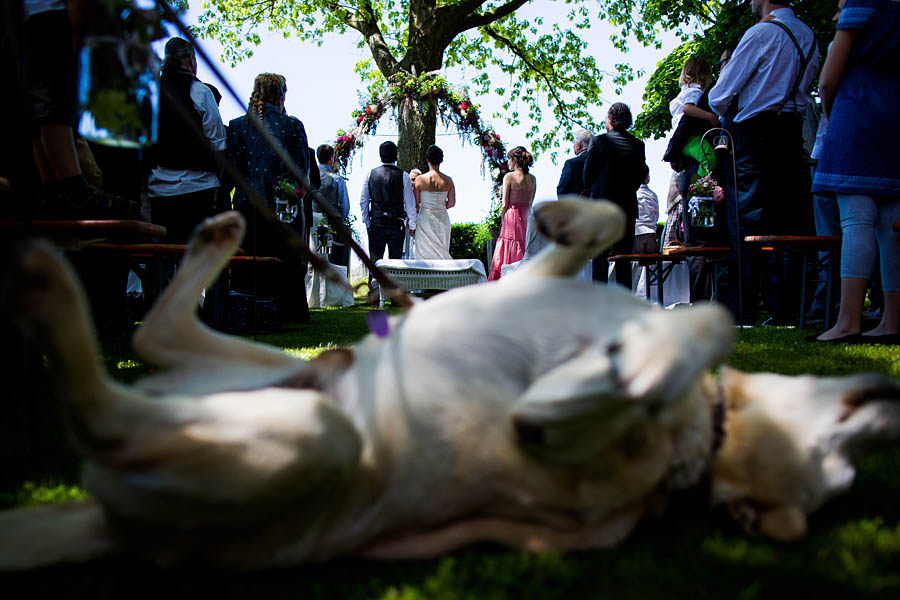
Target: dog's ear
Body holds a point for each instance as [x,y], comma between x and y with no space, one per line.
[573,411]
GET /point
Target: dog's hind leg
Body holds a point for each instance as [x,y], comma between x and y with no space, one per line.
[173,337]
[579,229]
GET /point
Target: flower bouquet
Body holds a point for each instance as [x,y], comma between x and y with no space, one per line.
[287,197]
[701,202]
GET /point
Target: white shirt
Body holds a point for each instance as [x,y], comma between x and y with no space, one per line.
[173,182]
[764,67]
[690,94]
[409,201]
[648,211]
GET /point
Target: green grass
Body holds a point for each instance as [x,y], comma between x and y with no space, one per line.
[853,550]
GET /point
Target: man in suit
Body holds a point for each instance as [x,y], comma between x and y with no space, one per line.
[614,170]
[571,181]
[388,207]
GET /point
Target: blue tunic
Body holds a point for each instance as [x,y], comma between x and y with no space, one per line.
[253,157]
[862,144]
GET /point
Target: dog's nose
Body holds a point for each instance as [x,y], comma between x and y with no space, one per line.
[527,432]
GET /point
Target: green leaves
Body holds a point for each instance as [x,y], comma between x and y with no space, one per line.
[548,64]
[723,22]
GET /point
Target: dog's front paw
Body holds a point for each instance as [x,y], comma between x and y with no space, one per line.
[221,233]
[578,223]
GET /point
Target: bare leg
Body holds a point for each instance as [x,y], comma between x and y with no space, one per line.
[890,320]
[58,147]
[579,229]
[42,162]
[853,295]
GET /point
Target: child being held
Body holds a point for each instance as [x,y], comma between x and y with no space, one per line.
[690,120]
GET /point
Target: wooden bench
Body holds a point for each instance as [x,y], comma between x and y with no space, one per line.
[717,256]
[809,247]
[75,235]
[658,267]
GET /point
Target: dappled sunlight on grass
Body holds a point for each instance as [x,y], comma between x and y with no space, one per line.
[36,494]
[739,550]
[785,351]
[309,353]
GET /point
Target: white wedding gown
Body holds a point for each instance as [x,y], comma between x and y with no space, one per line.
[433,227]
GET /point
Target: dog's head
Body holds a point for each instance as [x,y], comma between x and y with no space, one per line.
[792,443]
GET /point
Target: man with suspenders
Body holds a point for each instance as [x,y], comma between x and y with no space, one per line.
[762,93]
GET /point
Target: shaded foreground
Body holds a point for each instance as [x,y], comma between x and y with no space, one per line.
[853,550]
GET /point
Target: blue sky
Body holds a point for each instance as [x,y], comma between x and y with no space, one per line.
[323,91]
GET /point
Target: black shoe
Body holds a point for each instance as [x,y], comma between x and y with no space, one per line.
[95,204]
[853,338]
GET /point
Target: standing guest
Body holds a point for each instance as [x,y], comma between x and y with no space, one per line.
[648,215]
[334,192]
[182,187]
[51,69]
[613,170]
[571,180]
[434,193]
[764,87]
[413,173]
[333,187]
[253,157]
[860,86]
[387,205]
[266,173]
[518,193]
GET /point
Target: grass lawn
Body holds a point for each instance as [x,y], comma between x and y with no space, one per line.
[853,550]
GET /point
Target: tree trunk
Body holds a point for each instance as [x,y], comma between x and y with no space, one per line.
[417,120]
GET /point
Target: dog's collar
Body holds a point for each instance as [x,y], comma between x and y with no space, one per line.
[718,417]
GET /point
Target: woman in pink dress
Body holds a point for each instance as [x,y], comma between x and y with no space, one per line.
[518,194]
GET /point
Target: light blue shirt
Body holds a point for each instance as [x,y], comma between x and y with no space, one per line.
[763,69]
[341,186]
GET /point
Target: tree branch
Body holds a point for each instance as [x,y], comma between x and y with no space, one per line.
[469,19]
[365,22]
[523,56]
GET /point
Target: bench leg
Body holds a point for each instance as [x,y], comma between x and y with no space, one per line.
[803,277]
[832,274]
[659,283]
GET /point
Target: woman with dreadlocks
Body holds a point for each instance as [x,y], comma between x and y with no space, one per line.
[270,178]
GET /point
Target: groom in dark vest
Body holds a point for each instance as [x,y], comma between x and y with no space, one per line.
[387,205]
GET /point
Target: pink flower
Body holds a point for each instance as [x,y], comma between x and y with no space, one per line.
[718,195]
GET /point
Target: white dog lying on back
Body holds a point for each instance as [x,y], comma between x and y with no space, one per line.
[539,412]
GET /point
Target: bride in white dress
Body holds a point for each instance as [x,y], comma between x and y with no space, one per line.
[434,193]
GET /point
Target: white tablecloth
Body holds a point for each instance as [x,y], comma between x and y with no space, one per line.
[462,264]
[321,293]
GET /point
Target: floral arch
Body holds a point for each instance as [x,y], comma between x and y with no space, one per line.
[431,91]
